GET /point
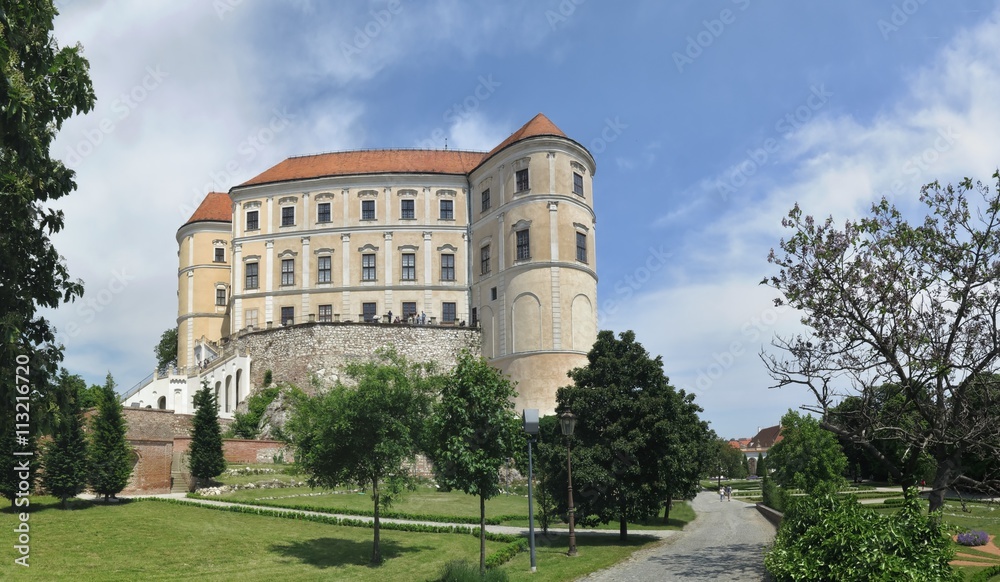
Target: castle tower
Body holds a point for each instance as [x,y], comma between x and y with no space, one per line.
[203,278]
[534,282]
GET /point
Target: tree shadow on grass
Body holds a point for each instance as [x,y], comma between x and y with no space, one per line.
[39,504]
[337,553]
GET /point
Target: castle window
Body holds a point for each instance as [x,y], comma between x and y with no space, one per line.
[484,260]
[409,267]
[220,296]
[581,247]
[251,315]
[368,267]
[367,210]
[252,219]
[323,275]
[486,199]
[523,245]
[521,181]
[287,272]
[368,311]
[447,267]
[475,317]
[326,313]
[577,184]
[251,278]
[448,312]
[406,210]
[220,255]
[409,309]
[287,216]
[493,293]
[287,315]
[447,210]
[323,212]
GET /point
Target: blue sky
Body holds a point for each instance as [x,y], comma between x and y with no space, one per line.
[708,121]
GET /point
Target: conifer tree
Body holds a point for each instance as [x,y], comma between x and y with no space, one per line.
[109,449]
[206,457]
[65,458]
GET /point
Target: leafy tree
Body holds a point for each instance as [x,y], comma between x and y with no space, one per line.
[206,457]
[362,434]
[730,458]
[807,457]
[762,466]
[686,449]
[911,307]
[65,458]
[246,425]
[630,433]
[110,453]
[473,431]
[832,537]
[166,350]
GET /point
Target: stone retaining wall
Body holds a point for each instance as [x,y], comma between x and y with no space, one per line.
[299,353]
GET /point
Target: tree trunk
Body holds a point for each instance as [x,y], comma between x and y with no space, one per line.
[376,552]
[666,509]
[482,535]
[623,529]
[943,478]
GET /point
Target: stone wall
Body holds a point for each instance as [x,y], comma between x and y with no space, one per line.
[298,353]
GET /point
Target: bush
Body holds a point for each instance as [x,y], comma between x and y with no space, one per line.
[985,575]
[462,571]
[774,496]
[832,537]
[247,425]
[973,538]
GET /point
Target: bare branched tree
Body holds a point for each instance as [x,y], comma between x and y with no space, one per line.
[903,322]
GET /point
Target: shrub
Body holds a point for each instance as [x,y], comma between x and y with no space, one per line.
[985,575]
[973,538]
[834,538]
[462,571]
[246,425]
[774,496]
[267,377]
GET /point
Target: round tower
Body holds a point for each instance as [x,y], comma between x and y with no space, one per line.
[533,255]
[203,285]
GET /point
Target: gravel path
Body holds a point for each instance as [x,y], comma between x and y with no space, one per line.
[725,542]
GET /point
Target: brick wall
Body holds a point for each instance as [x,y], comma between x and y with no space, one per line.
[297,353]
[151,473]
[242,450]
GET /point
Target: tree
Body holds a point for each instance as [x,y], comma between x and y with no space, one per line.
[807,457]
[633,428]
[730,459]
[473,431]
[206,458]
[166,350]
[110,453]
[363,434]
[686,449]
[65,458]
[910,307]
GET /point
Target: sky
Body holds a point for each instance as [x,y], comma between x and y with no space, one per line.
[708,119]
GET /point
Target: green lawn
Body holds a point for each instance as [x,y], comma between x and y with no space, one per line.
[593,553]
[146,540]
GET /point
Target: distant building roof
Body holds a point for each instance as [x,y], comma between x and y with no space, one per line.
[216,207]
[766,438]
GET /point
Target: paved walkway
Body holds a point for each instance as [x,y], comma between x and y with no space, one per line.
[725,542]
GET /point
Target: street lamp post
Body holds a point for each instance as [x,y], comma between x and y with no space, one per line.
[567,421]
[530,416]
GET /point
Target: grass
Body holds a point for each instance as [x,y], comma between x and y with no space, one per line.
[156,541]
[593,553]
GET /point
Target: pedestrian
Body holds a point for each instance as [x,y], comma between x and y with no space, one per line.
[388,318]
[423,318]
[722,494]
[729,492]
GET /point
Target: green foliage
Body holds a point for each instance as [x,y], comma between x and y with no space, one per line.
[206,458]
[110,453]
[985,575]
[762,466]
[363,434]
[166,349]
[246,425]
[833,538]
[638,441]
[473,431]
[732,460]
[773,496]
[268,376]
[65,458]
[462,571]
[807,457]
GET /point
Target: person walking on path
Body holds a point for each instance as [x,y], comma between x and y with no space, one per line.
[722,494]
[729,492]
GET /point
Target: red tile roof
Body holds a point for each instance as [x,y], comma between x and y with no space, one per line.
[370,162]
[395,161]
[216,207]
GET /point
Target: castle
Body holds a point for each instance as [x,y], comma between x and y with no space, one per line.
[323,258]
